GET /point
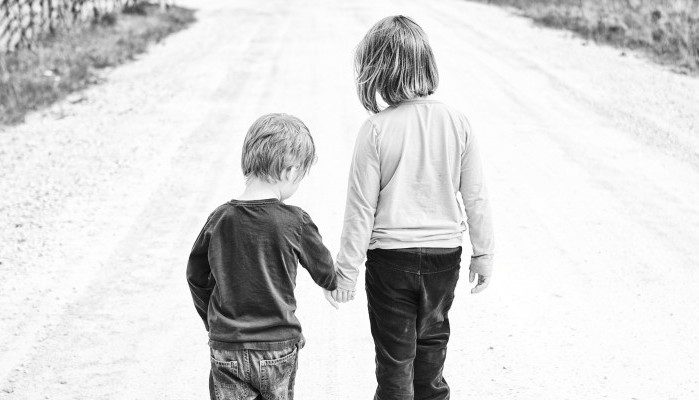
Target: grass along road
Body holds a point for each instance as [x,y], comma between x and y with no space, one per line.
[71,59]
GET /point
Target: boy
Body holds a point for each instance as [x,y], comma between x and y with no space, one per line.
[242,268]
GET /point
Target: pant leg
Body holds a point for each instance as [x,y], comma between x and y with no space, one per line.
[276,372]
[392,301]
[212,393]
[292,379]
[433,333]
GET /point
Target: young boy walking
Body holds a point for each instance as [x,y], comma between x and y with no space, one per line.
[242,267]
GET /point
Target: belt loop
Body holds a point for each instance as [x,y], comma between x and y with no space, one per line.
[419,261]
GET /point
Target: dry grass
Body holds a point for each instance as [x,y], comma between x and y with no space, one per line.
[67,61]
[667,29]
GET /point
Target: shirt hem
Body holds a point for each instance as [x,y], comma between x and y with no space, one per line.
[397,244]
[276,345]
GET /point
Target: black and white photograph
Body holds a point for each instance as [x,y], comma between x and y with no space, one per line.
[349,199]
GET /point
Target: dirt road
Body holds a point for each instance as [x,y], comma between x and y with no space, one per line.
[593,164]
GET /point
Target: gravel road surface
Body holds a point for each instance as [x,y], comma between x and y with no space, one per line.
[592,159]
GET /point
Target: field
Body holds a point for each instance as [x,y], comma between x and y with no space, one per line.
[667,29]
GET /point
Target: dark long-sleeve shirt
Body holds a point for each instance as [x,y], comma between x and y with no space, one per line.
[242,272]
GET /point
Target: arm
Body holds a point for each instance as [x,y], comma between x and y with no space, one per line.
[477,206]
[201,282]
[362,196]
[314,256]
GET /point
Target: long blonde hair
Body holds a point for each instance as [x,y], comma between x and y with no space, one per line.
[394,59]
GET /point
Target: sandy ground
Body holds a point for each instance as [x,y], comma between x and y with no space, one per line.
[592,160]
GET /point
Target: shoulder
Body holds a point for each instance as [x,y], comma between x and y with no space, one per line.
[302,223]
[368,133]
[214,220]
[305,222]
[454,113]
[216,216]
[380,118]
[432,105]
[298,213]
[370,125]
[457,117]
[278,216]
[219,212]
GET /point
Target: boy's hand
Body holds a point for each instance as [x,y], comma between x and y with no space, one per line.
[342,295]
[483,282]
[329,298]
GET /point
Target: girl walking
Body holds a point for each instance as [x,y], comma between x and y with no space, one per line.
[412,160]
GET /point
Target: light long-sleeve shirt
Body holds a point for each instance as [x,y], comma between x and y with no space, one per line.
[411,162]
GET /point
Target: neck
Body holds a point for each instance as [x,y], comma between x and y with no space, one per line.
[257,189]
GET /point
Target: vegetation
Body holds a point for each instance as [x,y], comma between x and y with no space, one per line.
[666,29]
[68,60]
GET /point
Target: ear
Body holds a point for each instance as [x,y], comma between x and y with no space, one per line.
[295,173]
[289,173]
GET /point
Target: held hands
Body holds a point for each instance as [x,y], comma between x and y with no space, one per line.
[343,295]
[329,298]
[338,296]
[483,282]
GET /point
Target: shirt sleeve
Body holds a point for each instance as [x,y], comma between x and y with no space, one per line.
[315,257]
[201,281]
[477,206]
[362,196]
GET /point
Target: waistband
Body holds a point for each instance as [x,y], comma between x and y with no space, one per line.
[417,260]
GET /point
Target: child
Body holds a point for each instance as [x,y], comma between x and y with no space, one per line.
[410,161]
[242,268]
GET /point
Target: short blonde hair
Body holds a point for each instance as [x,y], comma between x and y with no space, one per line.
[274,143]
[394,59]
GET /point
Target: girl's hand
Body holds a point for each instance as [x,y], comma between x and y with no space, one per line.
[329,298]
[483,282]
[342,295]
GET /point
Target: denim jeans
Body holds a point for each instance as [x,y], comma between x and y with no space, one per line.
[253,374]
[409,293]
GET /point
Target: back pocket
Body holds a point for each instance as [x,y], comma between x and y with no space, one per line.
[276,375]
[224,373]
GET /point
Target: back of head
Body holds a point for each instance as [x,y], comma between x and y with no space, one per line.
[274,143]
[394,59]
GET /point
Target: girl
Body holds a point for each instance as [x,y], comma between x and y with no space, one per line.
[411,161]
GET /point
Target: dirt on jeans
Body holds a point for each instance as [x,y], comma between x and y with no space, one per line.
[592,162]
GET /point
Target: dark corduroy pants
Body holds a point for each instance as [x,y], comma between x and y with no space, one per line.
[409,293]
